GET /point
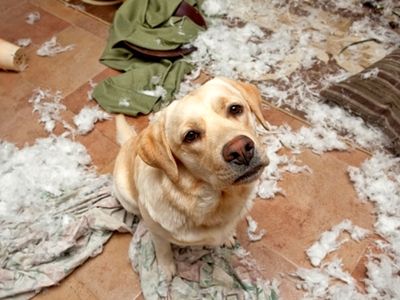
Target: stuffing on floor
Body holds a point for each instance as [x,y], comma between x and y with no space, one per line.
[292,51]
[55,213]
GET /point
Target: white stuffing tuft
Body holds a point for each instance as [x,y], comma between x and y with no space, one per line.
[328,241]
[79,6]
[373,73]
[158,92]
[252,230]
[24,42]
[186,87]
[124,102]
[49,107]
[326,244]
[358,233]
[274,94]
[315,281]
[215,8]
[268,188]
[322,283]
[92,85]
[353,128]
[383,280]
[377,180]
[218,48]
[330,117]
[87,117]
[155,80]
[334,269]
[363,29]
[32,17]
[318,138]
[333,78]
[51,48]
[278,164]
[348,5]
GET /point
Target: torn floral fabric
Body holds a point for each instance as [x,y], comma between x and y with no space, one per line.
[203,273]
[55,213]
[147,84]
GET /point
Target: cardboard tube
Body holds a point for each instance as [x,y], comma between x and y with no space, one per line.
[12,57]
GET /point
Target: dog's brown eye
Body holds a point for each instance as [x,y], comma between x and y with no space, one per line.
[235,109]
[190,136]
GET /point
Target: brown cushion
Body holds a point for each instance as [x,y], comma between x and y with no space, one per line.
[374,94]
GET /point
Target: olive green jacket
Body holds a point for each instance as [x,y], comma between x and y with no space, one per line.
[146,85]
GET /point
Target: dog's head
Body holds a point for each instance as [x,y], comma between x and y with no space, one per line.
[210,133]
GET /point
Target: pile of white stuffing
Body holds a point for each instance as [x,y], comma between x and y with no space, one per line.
[50,167]
[49,107]
[237,44]
[54,213]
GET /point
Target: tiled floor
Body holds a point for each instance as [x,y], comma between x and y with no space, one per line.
[312,202]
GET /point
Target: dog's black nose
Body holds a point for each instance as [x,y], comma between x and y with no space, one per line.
[239,150]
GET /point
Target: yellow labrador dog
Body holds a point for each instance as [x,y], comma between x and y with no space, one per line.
[191,173]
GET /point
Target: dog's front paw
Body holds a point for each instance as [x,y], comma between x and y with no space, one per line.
[231,241]
[165,257]
[168,269]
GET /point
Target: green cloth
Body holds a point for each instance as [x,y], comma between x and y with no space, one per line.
[148,24]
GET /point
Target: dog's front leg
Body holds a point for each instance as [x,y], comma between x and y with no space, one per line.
[164,255]
[231,241]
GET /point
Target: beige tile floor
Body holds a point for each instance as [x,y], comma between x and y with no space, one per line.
[312,202]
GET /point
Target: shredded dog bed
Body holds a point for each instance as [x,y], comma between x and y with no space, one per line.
[203,273]
[55,213]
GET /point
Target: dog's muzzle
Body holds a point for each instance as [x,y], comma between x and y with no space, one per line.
[241,155]
[239,150]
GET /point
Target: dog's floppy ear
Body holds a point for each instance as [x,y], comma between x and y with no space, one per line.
[155,151]
[253,97]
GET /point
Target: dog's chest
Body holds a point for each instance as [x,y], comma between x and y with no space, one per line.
[221,208]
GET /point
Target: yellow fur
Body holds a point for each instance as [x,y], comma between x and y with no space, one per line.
[187,193]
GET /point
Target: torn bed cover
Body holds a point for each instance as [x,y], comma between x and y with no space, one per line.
[203,273]
[55,213]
